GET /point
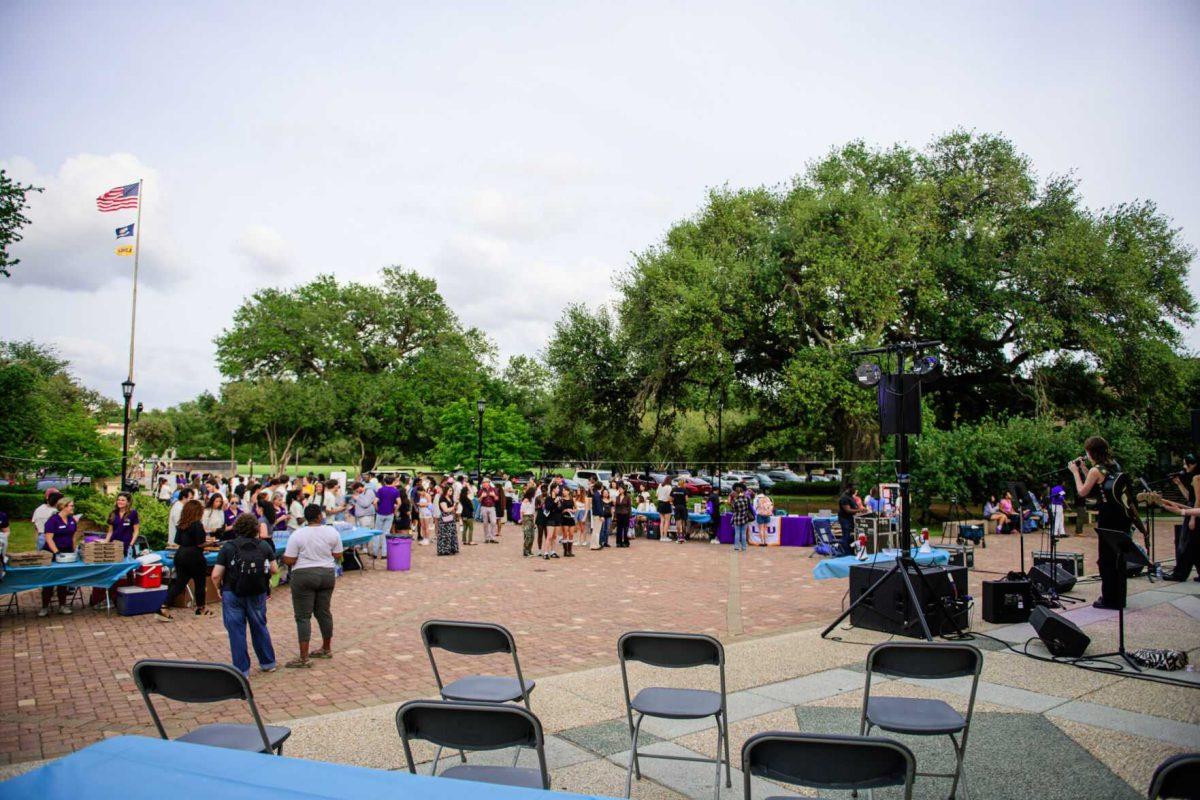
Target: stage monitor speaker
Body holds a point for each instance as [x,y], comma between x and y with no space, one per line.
[899,404]
[1047,575]
[1061,636]
[1007,601]
[890,610]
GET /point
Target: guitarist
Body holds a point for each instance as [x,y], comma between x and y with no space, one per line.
[1105,480]
[1187,549]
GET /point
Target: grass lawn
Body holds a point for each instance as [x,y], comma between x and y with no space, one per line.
[22,536]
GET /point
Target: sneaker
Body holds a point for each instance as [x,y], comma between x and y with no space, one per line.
[65,610]
[43,612]
[424,542]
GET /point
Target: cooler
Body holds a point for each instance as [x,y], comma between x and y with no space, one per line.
[148,577]
[134,600]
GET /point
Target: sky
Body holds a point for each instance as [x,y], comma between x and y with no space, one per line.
[519,153]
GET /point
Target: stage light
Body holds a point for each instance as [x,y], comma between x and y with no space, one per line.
[868,374]
[929,368]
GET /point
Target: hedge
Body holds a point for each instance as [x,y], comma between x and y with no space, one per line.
[21,502]
[806,488]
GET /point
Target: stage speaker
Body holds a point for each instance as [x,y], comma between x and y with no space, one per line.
[899,404]
[1061,636]
[1007,601]
[890,610]
[1047,575]
[1071,562]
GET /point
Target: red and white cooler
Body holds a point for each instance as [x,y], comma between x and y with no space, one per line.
[148,577]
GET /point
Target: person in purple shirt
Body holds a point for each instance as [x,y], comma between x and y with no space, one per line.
[60,538]
[385,513]
[123,523]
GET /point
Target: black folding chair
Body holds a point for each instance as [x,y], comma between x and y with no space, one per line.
[476,639]
[922,717]
[674,651]
[475,726]
[199,682]
[828,761]
[1177,777]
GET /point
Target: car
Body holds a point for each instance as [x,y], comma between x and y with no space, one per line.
[72,478]
[780,475]
[728,479]
[765,480]
[696,487]
[584,475]
[826,475]
[641,482]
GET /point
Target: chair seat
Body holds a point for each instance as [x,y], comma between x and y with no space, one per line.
[237,737]
[677,703]
[914,716]
[506,776]
[486,689]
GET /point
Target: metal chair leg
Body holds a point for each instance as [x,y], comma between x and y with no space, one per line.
[717,777]
[958,766]
[633,759]
[728,768]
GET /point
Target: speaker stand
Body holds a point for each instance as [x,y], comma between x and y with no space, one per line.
[1120,651]
[1054,595]
[902,564]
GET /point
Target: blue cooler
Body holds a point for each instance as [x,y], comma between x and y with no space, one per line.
[134,600]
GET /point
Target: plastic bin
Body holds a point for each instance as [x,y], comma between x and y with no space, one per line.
[399,553]
[134,600]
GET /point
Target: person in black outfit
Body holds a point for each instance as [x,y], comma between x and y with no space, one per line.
[189,559]
[1111,515]
[622,511]
[1187,534]
[847,509]
[679,500]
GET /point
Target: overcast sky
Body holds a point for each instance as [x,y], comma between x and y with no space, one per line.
[517,152]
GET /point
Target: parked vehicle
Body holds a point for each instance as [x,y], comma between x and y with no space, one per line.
[72,478]
[696,487]
[765,481]
[785,474]
[728,479]
[584,475]
[826,475]
[642,482]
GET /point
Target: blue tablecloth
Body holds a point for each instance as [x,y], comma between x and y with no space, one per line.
[653,516]
[80,573]
[840,567]
[350,538]
[139,768]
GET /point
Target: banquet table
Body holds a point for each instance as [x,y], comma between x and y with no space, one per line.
[653,516]
[350,538]
[141,768]
[840,567]
[78,573]
[794,530]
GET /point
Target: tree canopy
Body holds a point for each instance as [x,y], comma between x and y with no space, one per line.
[14,199]
[508,446]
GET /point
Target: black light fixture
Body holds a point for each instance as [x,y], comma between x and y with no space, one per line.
[928,367]
[127,389]
[137,412]
[868,374]
[127,393]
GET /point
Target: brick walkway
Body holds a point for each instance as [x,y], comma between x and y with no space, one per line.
[64,681]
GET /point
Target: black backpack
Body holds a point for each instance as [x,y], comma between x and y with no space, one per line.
[249,571]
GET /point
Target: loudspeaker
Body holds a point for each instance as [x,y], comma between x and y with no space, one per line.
[1047,575]
[899,404]
[890,609]
[1007,601]
[1071,562]
[1061,636]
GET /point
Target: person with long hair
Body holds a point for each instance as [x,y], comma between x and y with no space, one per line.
[403,510]
[604,513]
[993,514]
[528,520]
[466,512]
[189,560]
[426,506]
[1187,533]
[60,538]
[264,509]
[567,520]
[447,522]
[1111,516]
[552,510]
[214,515]
[124,525]
[233,510]
[622,511]
[295,508]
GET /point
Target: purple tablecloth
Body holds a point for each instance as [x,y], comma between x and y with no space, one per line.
[794,531]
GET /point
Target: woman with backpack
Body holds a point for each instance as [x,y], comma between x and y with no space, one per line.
[244,569]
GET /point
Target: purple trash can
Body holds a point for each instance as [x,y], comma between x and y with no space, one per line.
[399,553]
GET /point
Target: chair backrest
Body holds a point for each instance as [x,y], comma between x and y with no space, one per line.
[1178,776]
[671,650]
[470,726]
[828,761]
[194,682]
[467,638]
[925,660]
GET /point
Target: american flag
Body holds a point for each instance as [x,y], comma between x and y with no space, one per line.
[120,197]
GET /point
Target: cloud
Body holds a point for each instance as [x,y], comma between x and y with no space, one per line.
[265,250]
[517,217]
[69,245]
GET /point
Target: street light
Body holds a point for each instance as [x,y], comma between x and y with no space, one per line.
[479,406]
[127,393]
[232,460]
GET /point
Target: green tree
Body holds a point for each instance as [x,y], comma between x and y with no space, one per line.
[508,446]
[154,432]
[14,199]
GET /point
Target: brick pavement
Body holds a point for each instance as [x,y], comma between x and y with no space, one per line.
[64,681]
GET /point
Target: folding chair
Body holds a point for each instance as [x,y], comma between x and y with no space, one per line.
[476,639]
[828,761]
[475,726]
[674,651]
[199,682]
[919,717]
[1177,777]
[828,543]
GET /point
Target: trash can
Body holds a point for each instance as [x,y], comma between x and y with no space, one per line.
[399,553]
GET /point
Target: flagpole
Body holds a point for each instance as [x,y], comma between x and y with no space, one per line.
[137,252]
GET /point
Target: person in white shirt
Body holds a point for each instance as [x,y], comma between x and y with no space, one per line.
[312,556]
[164,491]
[44,512]
[333,503]
[185,494]
[664,508]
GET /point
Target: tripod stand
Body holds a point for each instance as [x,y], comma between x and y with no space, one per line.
[905,563]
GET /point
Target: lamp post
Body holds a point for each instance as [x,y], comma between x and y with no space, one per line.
[127,393]
[232,439]
[479,406]
[720,445]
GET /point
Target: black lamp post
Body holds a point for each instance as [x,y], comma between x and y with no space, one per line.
[232,439]
[127,393]
[720,445]
[479,405]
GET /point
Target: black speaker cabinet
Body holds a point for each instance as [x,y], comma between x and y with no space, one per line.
[1071,562]
[899,404]
[1007,601]
[890,610]
[1047,575]
[1061,636]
